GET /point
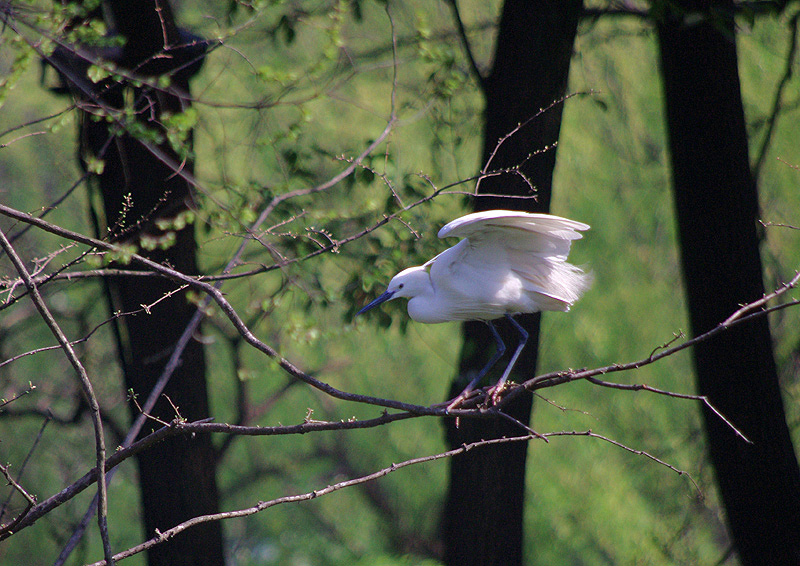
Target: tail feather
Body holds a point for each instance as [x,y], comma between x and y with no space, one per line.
[561,282]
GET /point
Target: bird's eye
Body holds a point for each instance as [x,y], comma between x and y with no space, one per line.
[400,286]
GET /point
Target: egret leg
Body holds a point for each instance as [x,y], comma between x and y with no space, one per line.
[523,340]
[501,349]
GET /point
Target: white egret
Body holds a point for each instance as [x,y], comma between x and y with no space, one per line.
[507,263]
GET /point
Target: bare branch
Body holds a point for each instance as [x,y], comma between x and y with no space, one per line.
[644,387]
[166,535]
[772,121]
[647,455]
[28,497]
[485,171]
[88,335]
[462,34]
[22,467]
[31,387]
[85,384]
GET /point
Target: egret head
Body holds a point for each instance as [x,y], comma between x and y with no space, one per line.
[408,283]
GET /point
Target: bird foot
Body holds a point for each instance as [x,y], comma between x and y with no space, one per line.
[493,395]
[458,400]
[490,399]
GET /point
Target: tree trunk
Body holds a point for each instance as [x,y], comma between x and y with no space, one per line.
[483,516]
[717,208]
[177,477]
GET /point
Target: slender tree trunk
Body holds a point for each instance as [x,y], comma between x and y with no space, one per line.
[483,516]
[138,191]
[717,209]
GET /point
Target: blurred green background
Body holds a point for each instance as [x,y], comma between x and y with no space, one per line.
[290,93]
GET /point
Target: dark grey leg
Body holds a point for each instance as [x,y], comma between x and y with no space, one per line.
[523,340]
[501,349]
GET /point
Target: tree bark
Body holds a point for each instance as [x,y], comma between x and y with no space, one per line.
[177,477]
[717,208]
[483,515]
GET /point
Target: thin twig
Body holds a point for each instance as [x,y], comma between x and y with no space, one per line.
[24,464]
[772,121]
[4,402]
[618,444]
[52,206]
[521,125]
[13,483]
[750,307]
[462,34]
[644,387]
[31,501]
[86,337]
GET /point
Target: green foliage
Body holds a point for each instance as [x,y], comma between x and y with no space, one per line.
[92,33]
[179,129]
[97,73]
[23,56]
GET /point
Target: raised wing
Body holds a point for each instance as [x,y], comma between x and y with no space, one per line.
[532,246]
[531,232]
[534,222]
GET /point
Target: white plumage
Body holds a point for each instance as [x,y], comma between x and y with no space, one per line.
[507,263]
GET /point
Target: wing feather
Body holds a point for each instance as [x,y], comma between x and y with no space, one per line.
[534,247]
[556,226]
[545,235]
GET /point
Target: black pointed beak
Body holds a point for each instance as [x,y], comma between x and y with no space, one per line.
[381,299]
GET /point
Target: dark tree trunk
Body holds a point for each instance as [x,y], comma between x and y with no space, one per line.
[483,515]
[717,209]
[177,477]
